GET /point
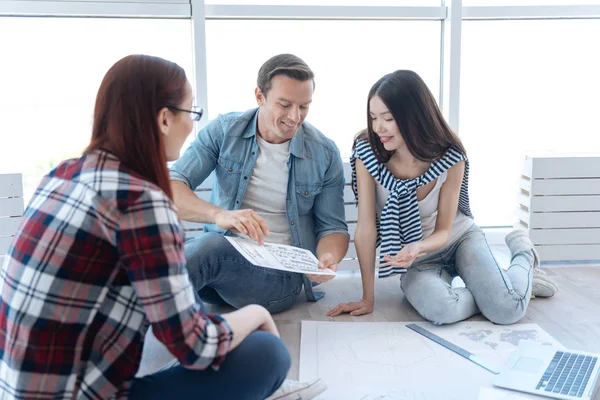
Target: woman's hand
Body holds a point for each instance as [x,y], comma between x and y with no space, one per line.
[405,257]
[353,308]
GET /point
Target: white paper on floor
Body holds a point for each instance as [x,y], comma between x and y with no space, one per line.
[388,361]
[505,394]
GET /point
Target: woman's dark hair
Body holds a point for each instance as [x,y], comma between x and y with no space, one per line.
[425,131]
[131,94]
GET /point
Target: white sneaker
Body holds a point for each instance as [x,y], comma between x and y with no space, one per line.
[541,285]
[294,390]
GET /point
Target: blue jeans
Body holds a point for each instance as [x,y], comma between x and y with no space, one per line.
[502,297]
[253,371]
[221,275]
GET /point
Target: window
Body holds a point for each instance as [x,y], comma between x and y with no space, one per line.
[528,2]
[346,64]
[525,86]
[50,74]
[420,3]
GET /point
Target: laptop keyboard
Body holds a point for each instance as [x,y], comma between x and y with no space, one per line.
[567,374]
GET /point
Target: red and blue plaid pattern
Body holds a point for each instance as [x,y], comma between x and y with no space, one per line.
[98,256]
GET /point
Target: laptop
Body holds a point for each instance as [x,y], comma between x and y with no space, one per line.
[546,371]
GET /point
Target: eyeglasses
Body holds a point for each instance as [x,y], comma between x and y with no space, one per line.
[195,112]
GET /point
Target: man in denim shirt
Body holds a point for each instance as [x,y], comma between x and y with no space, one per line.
[276,179]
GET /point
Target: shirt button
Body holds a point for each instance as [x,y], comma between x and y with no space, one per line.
[245,177]
[230,170]
[287,197]
[237,202]
[292,223]
[306,193]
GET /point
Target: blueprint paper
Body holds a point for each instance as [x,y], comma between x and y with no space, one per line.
[388,361]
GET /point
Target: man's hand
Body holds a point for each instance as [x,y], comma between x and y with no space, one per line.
[247,222]
[326,261]
[354,308]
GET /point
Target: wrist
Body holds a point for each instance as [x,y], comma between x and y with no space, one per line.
[419,246]
[214,214]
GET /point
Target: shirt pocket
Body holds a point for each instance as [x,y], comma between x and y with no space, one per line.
[228,175]
[305,194]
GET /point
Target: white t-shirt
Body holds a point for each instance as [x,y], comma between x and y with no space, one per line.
[428,209]
[267,190]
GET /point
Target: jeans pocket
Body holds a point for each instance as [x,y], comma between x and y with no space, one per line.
[278,305]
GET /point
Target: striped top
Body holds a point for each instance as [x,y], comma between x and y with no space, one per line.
[400,222]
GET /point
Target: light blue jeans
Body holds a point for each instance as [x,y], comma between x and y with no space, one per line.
[221,275]
[502,297]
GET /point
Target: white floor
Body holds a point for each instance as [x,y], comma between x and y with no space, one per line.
[156,355]
[578,304]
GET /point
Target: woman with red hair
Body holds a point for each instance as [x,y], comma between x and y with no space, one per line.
[99,256]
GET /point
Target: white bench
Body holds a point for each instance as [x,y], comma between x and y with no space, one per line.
[193,229]
[11,209]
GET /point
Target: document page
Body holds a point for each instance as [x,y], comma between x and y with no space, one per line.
[278,256]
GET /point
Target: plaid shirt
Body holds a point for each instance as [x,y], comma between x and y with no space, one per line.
[99,254]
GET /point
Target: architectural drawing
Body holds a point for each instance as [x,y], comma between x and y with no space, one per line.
[293,257]
[278,256]
[387,361]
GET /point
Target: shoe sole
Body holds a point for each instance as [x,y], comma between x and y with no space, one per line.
[306,393]
[544,289]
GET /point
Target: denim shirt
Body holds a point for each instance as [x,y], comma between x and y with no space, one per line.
[315,192]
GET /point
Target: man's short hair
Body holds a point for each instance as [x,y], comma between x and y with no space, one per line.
[283,64]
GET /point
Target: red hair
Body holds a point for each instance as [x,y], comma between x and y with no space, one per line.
[131,94]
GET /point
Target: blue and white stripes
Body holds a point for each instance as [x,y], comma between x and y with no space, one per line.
[400,222]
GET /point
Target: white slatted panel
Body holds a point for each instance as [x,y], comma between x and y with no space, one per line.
[10,185]
[8,226]
[203,194]
[558,220]
[560,187]
[11,208]
[565,236]
[557,166]
[578,252]
[5,242]
[559,203]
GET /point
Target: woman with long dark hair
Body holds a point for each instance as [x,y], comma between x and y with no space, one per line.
[99,256]
[410,173]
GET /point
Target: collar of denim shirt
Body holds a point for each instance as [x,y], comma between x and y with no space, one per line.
[296,144]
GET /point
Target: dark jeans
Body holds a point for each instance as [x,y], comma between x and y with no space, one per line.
[221,275]
[253,371]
